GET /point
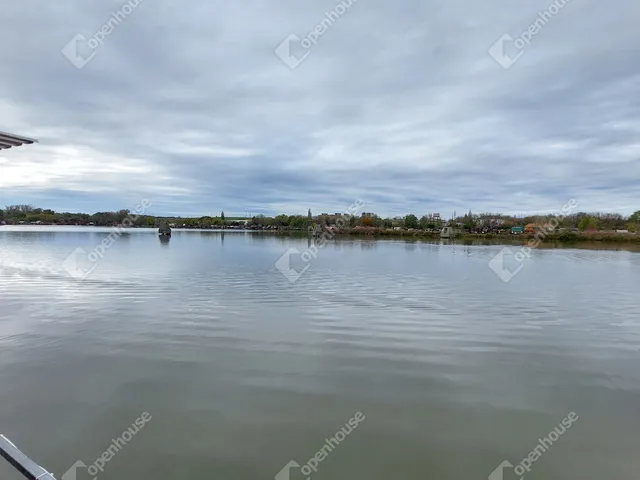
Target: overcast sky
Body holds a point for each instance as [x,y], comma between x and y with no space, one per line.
[399,104]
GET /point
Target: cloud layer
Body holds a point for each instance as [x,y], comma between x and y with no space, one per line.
[397,104]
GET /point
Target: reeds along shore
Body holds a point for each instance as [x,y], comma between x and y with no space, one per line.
[610,237]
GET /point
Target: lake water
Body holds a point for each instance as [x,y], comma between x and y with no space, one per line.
[243,371]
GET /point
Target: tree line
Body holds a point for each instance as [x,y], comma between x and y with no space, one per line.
[477,223]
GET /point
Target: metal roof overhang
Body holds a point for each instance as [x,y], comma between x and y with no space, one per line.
[8,140]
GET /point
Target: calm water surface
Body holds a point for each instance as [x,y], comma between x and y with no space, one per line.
[242,371]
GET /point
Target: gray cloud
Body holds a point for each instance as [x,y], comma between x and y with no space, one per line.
[400,105]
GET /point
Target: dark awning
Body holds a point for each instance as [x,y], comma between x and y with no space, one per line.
[8,140]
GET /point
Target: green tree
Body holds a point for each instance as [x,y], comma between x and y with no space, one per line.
[468,222]
[298,222]
[222,217]
[281,220]
[587,223]
[424,223]
[635,217]
[411,221]
[121,215]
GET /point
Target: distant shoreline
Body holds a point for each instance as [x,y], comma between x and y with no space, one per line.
[563,227]
[561,237]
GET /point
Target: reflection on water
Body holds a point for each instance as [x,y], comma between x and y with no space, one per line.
[242,371]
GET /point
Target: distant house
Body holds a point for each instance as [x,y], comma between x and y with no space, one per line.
[622,231]
[530,228]
[517,230]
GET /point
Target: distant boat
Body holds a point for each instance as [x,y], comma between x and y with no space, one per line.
[447,232]
[164,230]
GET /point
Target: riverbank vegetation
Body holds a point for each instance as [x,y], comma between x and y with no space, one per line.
[604,227]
